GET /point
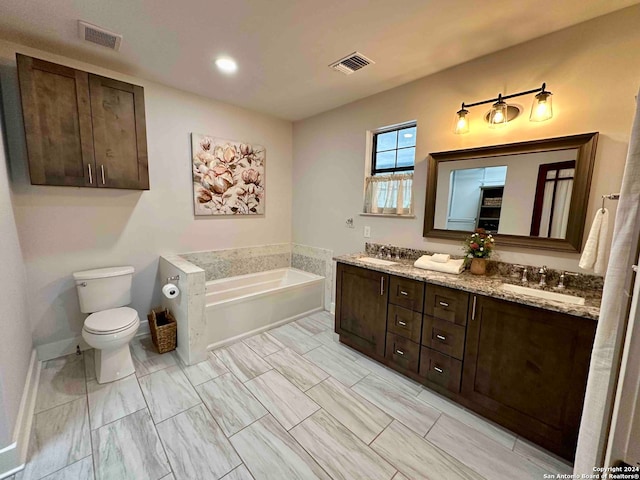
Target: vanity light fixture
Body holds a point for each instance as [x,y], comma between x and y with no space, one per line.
[501,112]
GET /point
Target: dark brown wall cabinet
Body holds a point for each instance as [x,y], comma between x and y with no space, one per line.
[523,367]
[81,129]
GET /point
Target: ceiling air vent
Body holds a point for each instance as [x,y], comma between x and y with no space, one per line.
[99,36]
[351,63]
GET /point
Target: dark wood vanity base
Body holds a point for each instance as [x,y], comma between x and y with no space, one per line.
[522,367]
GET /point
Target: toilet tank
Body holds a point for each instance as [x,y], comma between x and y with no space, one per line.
[103,288]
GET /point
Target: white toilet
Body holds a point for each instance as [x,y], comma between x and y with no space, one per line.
[103,293]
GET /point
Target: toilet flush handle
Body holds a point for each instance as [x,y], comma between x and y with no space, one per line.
[83,284]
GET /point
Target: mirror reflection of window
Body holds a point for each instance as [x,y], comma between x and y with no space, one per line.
[475,198]
[552,200]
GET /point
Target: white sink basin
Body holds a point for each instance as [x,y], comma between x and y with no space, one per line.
[532,292]
[377,261]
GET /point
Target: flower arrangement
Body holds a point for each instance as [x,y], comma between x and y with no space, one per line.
[479,245]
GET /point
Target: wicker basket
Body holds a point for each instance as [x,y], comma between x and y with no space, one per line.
[163,329]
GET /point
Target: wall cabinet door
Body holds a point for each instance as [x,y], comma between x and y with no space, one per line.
[361,307]
[57,122]
[119,134]
[82,129]
[528,367]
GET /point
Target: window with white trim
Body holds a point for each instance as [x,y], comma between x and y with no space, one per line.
[388,190]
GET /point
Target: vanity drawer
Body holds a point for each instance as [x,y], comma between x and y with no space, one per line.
[443,336]
[446,304]
[440,369]
[402,352]
[404,322]
[406,293]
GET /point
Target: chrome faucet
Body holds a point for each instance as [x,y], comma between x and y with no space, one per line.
[389,249]
[563,276]
[543,276]
[381,251]
[524,273]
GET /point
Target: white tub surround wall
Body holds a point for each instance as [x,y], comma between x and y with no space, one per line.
[230,262]
[318,261]
[90,228]
[188,307]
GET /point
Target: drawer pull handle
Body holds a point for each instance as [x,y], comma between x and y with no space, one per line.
[399,352]
[444,304]
[401,323]
[402,292]
[438,369]
[441,337]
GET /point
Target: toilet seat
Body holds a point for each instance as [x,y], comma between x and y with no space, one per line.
[113,320]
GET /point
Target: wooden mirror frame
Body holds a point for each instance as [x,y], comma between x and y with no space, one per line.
[586,145]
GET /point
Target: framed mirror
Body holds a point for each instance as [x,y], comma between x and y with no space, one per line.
[529,194]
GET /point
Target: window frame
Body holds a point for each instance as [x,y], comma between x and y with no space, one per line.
[392,170]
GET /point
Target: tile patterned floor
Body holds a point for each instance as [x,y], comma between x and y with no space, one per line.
[289,404]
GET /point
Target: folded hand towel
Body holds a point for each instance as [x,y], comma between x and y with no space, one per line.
[440,257]
[452,266]
[596,252]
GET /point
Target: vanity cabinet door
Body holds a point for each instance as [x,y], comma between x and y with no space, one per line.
[361,308]
[119,133]
[57,123]
[527,368]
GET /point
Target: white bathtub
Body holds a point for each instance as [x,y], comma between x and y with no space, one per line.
[242,306]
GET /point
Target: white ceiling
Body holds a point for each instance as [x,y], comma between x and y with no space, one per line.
[283,47]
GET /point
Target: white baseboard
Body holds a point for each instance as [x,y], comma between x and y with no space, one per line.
[49,351]
[256,331]
[14,457]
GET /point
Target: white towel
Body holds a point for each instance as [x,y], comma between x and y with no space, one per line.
[452,266]
[596,252]
[440,257]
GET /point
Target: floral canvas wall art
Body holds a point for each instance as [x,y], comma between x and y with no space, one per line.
[228,176]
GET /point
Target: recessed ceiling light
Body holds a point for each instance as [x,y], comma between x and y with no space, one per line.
[226,64]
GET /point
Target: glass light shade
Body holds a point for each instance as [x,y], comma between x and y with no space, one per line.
[498,115]
[542,108]
[461,123]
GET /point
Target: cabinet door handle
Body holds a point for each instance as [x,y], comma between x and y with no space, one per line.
[444,304]
[438,369]
[401,323]
[381,285]
[399,352]
[473,309]
[102,170]
[402,292]
[441,337]
[90,175]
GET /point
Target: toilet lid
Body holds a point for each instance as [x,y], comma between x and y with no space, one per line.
[112,320]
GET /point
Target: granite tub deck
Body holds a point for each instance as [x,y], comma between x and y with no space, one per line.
[484,285]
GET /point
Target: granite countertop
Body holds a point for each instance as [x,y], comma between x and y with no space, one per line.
[483,285]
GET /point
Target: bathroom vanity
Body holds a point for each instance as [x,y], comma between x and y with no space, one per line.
[517,360]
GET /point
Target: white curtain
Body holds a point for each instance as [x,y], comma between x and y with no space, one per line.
[603,373]
[389,194]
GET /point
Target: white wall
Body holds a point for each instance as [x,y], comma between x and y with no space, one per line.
[15,336]
[592,70]
[65,229]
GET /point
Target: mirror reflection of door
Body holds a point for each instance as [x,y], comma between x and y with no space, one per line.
[466,195]
[552,200]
